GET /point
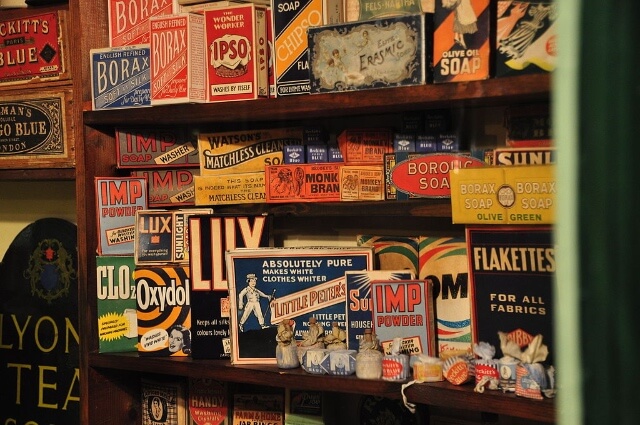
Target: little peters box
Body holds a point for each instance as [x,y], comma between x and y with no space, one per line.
[504,195]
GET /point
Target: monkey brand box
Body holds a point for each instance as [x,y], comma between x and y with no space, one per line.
[291,19]
[387,52]
[177,59]
[365,146]
[210,236]
[170,187]
[163,307]
[120,77]
[33,48]
[117,200]
[117,323]
[461,41]
[237,62]
[129,20]
[303,183]
[244,151]
[269,285]
[157,147]
[362,183]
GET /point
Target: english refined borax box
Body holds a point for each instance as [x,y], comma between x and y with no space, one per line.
[170,187]
[117,323]
[245,151]
[461,41]
[387,52]
[210,236]
[163,310]
[511,271]
[120,77]
[117,200]
[155,147]
[237,60]
[129,20]
[269,285]
[178,69]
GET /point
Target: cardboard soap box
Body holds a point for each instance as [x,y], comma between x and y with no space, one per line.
[380,53]
[120,77]
[177,59]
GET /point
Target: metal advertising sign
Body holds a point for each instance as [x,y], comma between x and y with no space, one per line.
[31,49]
[33,130]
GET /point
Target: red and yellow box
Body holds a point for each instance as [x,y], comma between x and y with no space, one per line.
[236,44]
[362,183]
[504,195]
[303,183]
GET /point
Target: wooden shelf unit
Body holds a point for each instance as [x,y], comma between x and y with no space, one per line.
[110,382]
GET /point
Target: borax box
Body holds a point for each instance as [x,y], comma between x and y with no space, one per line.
[129,20]
[237,62]
[504,195]
[177,59]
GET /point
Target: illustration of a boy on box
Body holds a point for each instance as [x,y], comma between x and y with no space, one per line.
[252,304]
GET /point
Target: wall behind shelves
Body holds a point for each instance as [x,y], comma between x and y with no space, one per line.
[22,203]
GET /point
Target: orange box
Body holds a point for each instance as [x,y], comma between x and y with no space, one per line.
[365,146]
[303,183]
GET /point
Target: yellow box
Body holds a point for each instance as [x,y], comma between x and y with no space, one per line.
[242,188]
[246,151]
[503,195]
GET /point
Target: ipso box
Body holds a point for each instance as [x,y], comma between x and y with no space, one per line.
[120,77]
[237,62]
[504,195]
[177,59]
[129,20]
[380,53]
[291,19]
[461,41]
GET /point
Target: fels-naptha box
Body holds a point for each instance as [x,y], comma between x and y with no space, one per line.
[244,151]
[386,52]
[303,183]
[129,20]
[177,59]
[236,43]
[156,147]
[291,19]
[461,41]
[504,195]
[120,77]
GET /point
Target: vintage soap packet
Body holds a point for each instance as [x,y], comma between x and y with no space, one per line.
[371,54]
